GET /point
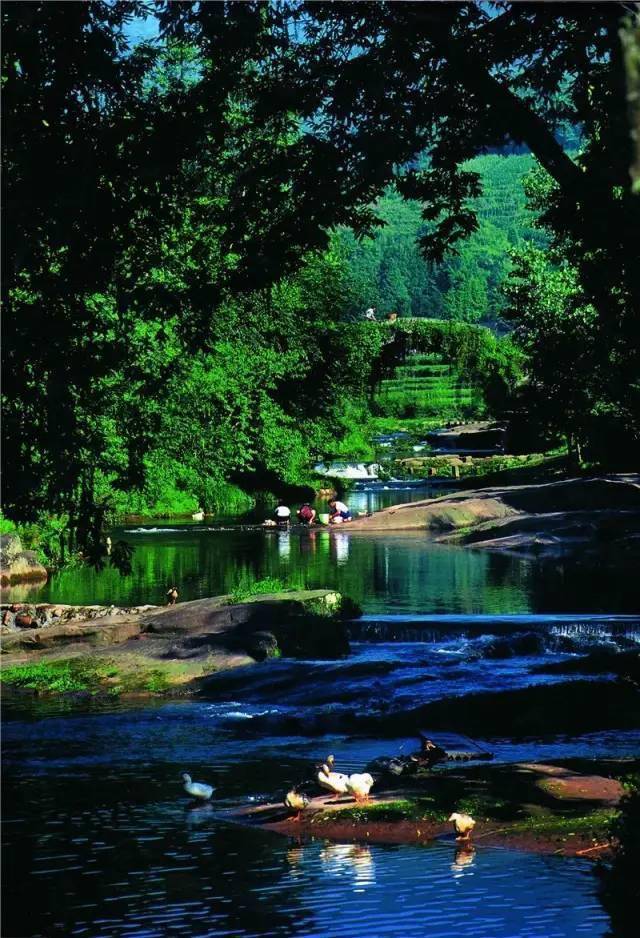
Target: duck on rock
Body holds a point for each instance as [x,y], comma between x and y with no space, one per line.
[296,801]
[335,782]
[359,786]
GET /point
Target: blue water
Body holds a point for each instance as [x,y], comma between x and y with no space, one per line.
[100,840]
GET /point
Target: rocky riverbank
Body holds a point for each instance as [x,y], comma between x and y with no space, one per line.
[152,649]
[549,518]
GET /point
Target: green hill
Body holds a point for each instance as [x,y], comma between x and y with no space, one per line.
[388,271]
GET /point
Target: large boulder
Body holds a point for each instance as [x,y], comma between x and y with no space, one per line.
[302,623]
[16,564]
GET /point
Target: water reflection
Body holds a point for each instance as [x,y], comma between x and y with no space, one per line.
[341,547]
[284,545]
[403,572]
[353,860]
[102,845]
[463,861]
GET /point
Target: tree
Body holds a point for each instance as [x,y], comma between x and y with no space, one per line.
[378,84]
[136,215]
[557,329]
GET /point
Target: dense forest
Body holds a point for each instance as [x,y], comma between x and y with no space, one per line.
[194,225]
[389,272]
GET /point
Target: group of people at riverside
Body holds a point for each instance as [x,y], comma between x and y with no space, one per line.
[339,513]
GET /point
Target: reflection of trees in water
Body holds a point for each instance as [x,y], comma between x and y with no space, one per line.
[395,569]
[577,585]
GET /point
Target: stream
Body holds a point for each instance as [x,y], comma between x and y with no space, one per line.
[100,840]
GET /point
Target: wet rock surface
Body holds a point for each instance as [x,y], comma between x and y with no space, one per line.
[547,518]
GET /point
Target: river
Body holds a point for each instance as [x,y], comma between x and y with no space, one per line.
[101,841]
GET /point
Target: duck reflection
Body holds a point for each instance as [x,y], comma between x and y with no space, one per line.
[350,859]
[197,814]
[294,859]
[463,860]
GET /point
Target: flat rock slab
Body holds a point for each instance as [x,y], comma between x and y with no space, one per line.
[470,510]
[583,788]
[95,633]
[561,783]
[295,622]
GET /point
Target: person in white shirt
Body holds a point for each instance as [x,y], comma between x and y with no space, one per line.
[283,514]
[339,512]
[371,314]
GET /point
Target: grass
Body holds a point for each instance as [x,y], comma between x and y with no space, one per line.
[596,823]
[248,587]
[61,677]
[92,675]
[420,809]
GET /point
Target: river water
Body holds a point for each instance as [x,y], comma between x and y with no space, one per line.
[100,840]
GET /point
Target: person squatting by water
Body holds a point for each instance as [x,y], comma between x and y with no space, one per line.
[339,512]
[283,515]
[307,514]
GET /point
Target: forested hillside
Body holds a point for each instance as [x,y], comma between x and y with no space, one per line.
[388,271]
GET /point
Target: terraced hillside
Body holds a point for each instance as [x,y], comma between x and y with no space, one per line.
[428,386]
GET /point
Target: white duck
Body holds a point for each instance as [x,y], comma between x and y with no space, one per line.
[296,801]
[198,515]
[197,789]
[330,780]
[463,825]
[359,786]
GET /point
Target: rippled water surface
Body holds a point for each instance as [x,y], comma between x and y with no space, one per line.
[101,841]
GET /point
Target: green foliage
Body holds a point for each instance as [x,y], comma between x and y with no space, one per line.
[179,359]
[176,329]
[157,682]
[47,536]
[6,525]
